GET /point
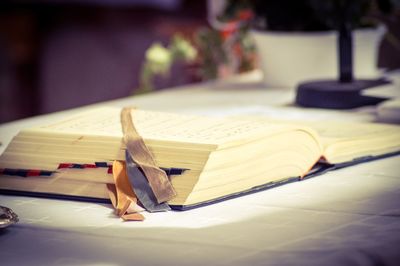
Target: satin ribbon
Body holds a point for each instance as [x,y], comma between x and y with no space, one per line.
[142,157]
[122,196]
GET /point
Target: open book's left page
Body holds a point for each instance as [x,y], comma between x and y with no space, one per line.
[105,122]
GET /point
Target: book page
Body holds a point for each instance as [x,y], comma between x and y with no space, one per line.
[163,126]
[331,132]
[345,141]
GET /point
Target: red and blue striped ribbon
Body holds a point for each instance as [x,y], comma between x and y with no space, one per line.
[34,172]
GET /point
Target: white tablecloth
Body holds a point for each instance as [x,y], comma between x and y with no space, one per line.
[346,217]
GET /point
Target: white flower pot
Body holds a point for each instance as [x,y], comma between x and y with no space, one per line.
[290,58]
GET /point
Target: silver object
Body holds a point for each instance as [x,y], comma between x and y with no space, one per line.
[7,217]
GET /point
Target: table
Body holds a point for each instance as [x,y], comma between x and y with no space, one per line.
[346,217]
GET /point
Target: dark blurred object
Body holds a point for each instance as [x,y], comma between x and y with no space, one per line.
[308,15]
[18,64]
[342,16]
[316,15]
[57,55]
[334,94]
[346,92]
[389,51]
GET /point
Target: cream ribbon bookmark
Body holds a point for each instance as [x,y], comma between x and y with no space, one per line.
[142,157]
[122,196]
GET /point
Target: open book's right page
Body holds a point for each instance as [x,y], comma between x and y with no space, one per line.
[348,141]
[345,136]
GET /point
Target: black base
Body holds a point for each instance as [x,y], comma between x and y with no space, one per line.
[333,94]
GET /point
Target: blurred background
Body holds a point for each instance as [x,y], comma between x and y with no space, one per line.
[57,54]
[60,54]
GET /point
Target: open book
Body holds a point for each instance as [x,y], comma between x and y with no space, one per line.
[208,159]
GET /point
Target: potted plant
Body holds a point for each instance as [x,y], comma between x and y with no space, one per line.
[297,40]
